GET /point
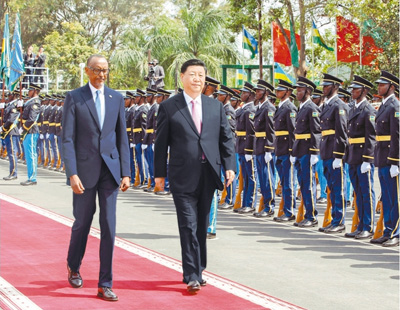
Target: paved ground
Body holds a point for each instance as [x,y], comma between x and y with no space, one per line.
[301,266]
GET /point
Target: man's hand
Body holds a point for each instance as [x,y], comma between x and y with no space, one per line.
[125,183]
[76,184]
[160,183]
[229,177]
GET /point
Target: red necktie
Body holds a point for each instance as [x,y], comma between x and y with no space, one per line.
[196,115]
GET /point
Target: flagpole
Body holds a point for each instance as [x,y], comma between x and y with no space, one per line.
[273,58]
[242,55]
[312,49]
[360,45]
[336,46]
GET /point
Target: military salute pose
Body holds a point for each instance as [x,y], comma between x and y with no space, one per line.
[334,115]
[284,121]
[264,147]
[306,149]
[387,157]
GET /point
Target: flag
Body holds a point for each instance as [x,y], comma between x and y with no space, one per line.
[281,50]
[17,69]
[241,75]
[5,52]
[294,51]
[250,43]
[279,73]
[317,39]
[348,43]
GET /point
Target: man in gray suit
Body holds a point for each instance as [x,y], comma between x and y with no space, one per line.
[156,75]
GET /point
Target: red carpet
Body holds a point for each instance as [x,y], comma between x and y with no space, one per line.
[33,249]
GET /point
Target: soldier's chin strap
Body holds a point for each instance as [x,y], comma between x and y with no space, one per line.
[305,94]
[330,93]
[390,85]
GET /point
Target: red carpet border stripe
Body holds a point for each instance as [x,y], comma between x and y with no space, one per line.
[11,298]
[226,285]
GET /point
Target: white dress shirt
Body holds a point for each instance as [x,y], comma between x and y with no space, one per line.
[189,99]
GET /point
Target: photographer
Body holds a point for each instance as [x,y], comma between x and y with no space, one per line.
[155,76]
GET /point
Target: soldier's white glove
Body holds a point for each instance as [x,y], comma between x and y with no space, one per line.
[21,130]
[267,157]
[337,163]
[248,157]
[131,145]
[313,159]
[1,129]
[365,167]
[292,159]
[2,105]
[394,171]
[20,103]
[47,135]
[152,147]
[144,146]
[41,136]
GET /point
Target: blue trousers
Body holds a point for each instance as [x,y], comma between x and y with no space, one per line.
[319,168]
[266,177]
[349,187]
[287,175]
[336,183]
[11,145]
[141,162]
[363,184]
[308,185]
[30,152]
[42,149]
[132,158]
[149,154]
[231,189]
[59,148]
[54,150]
[212,226]
[390,202]
[249,173]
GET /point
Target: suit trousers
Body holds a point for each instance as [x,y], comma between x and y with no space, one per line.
[30,152]
[287,175]
[266,176]
[84,207]
[193,211]
[11,145]
[390,202]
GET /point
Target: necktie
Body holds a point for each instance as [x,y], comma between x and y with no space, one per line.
[98,108]
[196,115]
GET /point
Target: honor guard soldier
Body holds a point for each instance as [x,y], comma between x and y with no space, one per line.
[387,157]
[224,95]
[264,147]
[45,131]
[138,131]
[306,148]
[52,133]
[344,95]
[57,120]
[292,98]
[272,98]
[148,140]
[41,141]
[30,132]
[129,115]
[334,116]
[210,86]
[284,121]
[10,134]
[244,147]
[360,157]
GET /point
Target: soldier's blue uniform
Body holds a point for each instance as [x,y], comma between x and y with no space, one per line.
[58,132]
[284,121]
[387,159]
[333,117]
[264,143]
[129,116]
[307,139]
[52,135]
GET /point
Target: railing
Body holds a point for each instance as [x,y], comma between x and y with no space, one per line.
[36,75]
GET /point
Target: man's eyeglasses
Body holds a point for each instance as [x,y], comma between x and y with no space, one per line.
[97,71]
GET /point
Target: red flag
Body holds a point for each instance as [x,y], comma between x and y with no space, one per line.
[281,50]
[348,43]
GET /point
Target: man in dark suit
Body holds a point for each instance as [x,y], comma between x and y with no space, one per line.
[196,129]
[96,156]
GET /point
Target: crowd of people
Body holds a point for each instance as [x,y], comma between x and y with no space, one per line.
[34,66]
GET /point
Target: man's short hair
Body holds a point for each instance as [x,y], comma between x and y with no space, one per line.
[193,62]
[94,56]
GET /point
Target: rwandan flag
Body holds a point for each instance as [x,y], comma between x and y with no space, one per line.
[318,39]
[250,43]
[280,74]
[5,52]
[17,69]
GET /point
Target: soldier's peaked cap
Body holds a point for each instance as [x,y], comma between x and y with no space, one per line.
[212,81]
[248,87]
[304,82]
[387,77]
[261,84]
[284,85]
[330,80]
[360,82]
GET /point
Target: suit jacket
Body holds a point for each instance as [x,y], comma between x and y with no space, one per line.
[387,124]
[176,129]
[264,129]
[85,146]
[284,120]
[334,118]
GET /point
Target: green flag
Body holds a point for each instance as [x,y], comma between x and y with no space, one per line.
[294,51]
[317,39]
[17,68]
[5,52]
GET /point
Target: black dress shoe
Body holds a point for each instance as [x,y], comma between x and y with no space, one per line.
[379,240]
[391,242]
[246,210]
[107,294]
[27,183]
[322,229]
[308,223]
[193,287]
[364,235]
[203,283]
[335,229]
[284,218]
[74,278]
[352,234]
[264,213]
[10,177]
[225,206]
